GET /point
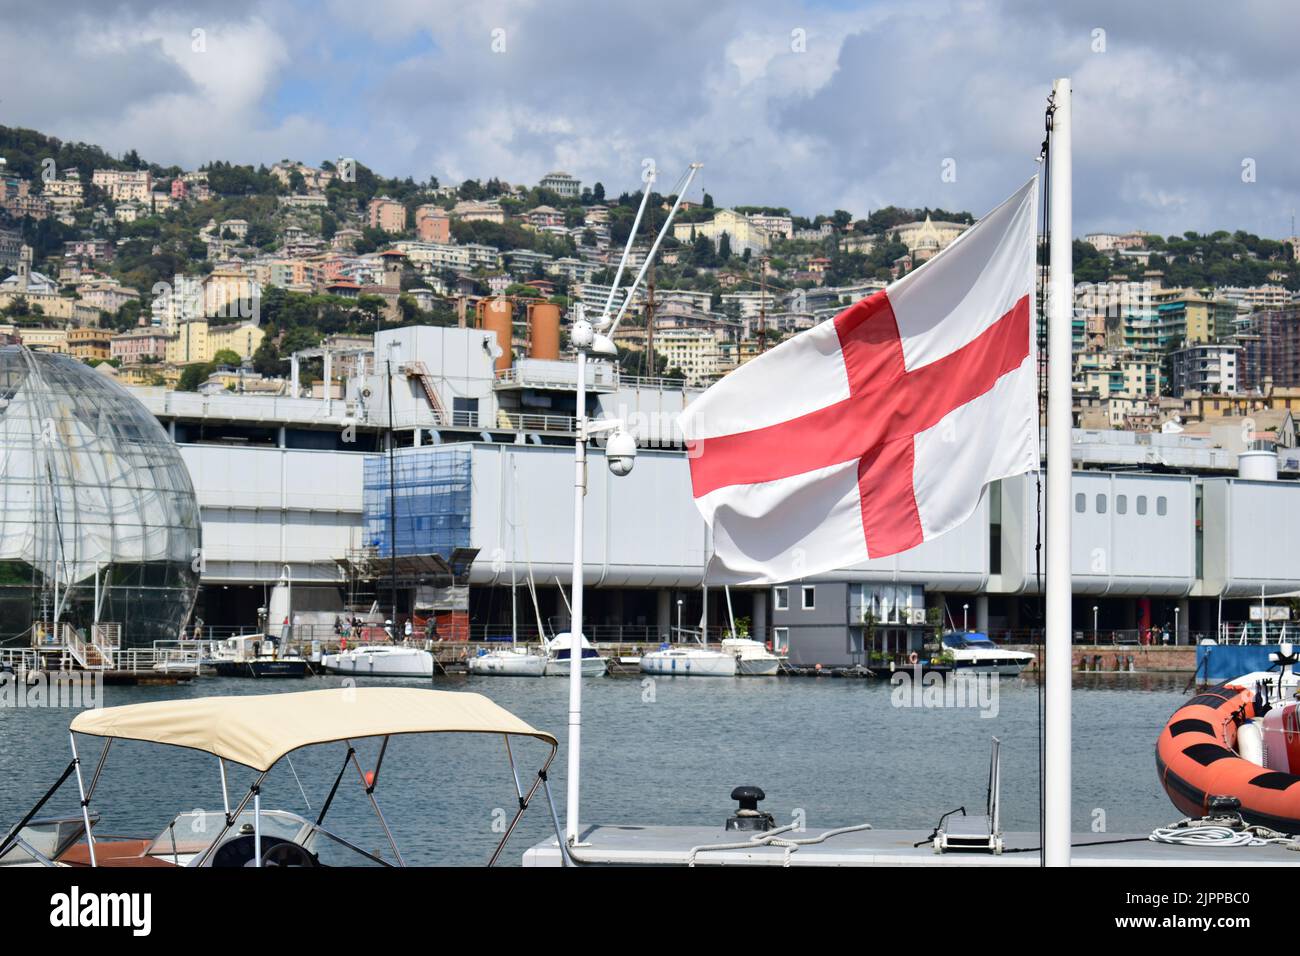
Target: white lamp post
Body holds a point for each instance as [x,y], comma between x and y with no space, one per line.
[620,454]
[964,609]
[1094,624]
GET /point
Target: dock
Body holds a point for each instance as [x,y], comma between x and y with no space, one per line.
[713,846]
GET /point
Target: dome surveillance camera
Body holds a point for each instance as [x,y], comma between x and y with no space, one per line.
[620,452]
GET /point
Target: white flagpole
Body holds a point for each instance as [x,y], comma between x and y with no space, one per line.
[1056,783]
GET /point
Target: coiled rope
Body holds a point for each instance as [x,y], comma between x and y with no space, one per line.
[1199,833]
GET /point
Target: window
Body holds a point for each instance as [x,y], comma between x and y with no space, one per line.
[781,639]
[782,596]
[1162,506]
[1080,502]
[1101,504]
[1142,504]
[1121,504]
[808,602]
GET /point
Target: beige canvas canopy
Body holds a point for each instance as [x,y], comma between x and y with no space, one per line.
[257,731]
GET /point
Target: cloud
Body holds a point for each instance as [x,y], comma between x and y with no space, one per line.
[809,105]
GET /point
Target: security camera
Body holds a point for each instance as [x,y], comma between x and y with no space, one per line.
[620,452]
[583,334]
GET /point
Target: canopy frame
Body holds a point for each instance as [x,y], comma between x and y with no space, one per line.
[369,784]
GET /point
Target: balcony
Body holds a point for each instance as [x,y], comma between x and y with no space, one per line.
[555,375]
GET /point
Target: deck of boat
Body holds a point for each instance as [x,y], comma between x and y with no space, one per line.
[671,846]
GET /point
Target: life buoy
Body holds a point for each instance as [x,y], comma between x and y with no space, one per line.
[913,657]
[1197,759]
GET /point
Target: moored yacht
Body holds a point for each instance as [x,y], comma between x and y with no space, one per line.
[973,651]
[753,659]
[558,660]
[513,661]
[690,662]
[380,660]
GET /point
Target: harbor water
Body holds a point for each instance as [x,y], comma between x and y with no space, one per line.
[667,751]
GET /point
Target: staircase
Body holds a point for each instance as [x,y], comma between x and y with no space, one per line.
[420,372]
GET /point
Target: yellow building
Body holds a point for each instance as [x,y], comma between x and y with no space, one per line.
[242,338]
[149,374]
[190,344]
[90,344]
[50,340]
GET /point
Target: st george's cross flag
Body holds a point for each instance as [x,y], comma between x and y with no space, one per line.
[877,430]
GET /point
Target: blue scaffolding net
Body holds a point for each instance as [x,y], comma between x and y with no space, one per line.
[431,489]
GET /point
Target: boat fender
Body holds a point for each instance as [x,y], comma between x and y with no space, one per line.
[913,657]
[1250,742]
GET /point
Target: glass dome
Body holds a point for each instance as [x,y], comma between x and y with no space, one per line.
[96,506]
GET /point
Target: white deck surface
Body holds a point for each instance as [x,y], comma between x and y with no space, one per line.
[671,846]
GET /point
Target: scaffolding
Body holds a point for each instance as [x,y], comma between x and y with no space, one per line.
[431,497]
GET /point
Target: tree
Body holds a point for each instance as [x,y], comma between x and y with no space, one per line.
[193,376]
[598,192]
[227,357]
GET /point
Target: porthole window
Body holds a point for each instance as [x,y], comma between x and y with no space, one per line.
[1162,506]
[1121,504]
[1101,504]
[1142,504]
[1080,502]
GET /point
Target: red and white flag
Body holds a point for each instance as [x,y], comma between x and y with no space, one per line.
[877,430]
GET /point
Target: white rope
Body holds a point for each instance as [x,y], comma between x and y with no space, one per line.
[773,838]
[1189,833]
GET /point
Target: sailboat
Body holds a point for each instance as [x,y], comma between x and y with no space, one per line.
[691,661]
[512,661]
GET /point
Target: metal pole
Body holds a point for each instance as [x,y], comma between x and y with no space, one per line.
[225,790]
[85,801]
[575,624]
[1056,782]
[392,498]
[257,826]
[627,251]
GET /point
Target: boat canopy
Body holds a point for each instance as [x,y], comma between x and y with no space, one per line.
[257,731]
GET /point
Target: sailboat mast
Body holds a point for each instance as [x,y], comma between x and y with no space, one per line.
[1060,300]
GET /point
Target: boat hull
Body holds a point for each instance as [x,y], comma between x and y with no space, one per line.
[758,667]
[668,664]
[266,668]
[591,667]
[508,665]
[360,664]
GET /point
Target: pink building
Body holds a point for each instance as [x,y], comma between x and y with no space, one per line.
[432,224]
[387,214]
[139,345]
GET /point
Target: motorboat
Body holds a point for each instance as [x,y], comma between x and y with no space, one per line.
[558,660]
[380,660]
[1235,748]
[974,652]
[255,655]
[257,732]
[753,659]
[679,661]
[512,661]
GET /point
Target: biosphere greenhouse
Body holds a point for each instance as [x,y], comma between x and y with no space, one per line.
[98,518]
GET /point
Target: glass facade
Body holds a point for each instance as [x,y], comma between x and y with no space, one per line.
[96,506]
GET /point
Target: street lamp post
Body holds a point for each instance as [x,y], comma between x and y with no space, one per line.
[964,609]
[679,620]
[1175,623]
[1094,624]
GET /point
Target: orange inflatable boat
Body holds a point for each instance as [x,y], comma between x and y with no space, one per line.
[1229,742]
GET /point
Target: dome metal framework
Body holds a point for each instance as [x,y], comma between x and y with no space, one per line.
[98,517]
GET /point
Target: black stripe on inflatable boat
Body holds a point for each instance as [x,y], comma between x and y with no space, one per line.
[1206,754]
[1190,726]
[1274,780]
[1173,782]
[1211,699]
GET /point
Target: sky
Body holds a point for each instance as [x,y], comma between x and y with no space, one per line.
[1184,112]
